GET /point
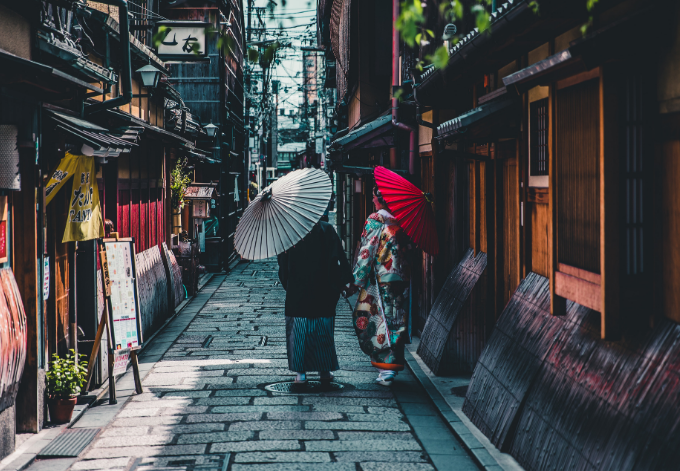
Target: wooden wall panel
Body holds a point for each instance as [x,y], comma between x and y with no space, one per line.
[160,214]
[510,228]
[483,240]
[427,291]
[134,216]
[29,401]
[144,220]
[153,290]
[153,218]
[446,214]
[173,274]
[577,147]
[670,229]
[59,302]
[539,217]
[455,332]
[123,225]
[473,207]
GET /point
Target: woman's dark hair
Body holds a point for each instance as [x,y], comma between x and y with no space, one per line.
[377,193]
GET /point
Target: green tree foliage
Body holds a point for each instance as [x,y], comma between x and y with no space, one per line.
[66,376]
[160,35]
[590,5]
[179,181]
[253,55]
[412,24]
[267,56]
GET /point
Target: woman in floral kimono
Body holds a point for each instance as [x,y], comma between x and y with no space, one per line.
[381,316]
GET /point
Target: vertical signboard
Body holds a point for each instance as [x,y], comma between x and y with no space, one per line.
[46,278]
[125,324]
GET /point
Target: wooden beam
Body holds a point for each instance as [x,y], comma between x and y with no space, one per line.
[478,207]
[578,78]
[579,273]
[558,304]
[578,290]
[609,204]
[29,402]
[523,182]
[538,195]
[498,209]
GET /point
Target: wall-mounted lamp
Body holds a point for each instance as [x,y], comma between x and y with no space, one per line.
[210,129]
[150,76]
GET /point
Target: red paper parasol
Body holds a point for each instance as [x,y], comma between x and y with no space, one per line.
[411,208]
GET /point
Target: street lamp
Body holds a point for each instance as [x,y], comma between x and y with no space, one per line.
[210,129]
[150,75]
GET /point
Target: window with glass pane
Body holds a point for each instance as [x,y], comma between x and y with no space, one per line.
[538,131]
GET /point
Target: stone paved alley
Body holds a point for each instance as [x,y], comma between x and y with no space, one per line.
[205,406]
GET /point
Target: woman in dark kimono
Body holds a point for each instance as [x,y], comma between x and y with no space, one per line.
[313,273]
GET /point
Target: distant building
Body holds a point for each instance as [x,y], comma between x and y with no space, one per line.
[288,157]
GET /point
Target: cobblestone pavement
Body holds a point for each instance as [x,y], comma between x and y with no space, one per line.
[205,406]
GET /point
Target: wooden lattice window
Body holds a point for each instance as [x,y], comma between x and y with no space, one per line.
[633,177]
[577,122]
[538,131]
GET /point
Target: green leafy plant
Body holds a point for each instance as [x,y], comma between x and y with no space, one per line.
[411,21]
[590,6]
[179,181]
[160,35]
[253,55]
[267,56]
[66,376]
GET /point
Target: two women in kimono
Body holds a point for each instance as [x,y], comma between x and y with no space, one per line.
[315,271]
[381,273]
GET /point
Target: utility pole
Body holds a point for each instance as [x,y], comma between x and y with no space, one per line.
[249,120]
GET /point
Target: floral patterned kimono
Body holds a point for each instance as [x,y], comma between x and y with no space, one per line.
[382,322]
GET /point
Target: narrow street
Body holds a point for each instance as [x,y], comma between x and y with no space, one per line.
[205,406]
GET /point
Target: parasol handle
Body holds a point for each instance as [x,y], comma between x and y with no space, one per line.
[428,197]
[266,194]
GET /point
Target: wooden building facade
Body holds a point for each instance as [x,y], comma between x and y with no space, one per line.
[550,153]
[62,66]
[212,88]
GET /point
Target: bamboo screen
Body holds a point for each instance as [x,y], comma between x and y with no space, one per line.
[577,129]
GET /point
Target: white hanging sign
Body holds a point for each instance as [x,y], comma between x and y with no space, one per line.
[184,40]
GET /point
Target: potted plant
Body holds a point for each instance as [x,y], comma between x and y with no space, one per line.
[65,378]
[179,181]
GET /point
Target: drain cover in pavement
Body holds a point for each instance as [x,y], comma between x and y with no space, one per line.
[70,442]
[311,387]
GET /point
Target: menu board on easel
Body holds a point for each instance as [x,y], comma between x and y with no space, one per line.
[124,312]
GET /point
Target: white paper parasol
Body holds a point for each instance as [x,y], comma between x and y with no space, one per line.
[282,214]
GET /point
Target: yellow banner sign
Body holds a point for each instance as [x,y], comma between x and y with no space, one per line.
[84,213]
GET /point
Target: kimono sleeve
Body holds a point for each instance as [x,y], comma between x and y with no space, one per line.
[346,275]
[370,239]
[283,269]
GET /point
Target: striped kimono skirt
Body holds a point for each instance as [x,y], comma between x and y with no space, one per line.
[310,344]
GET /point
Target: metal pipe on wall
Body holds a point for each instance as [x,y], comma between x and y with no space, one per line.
[395,83]
[126,76]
